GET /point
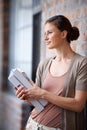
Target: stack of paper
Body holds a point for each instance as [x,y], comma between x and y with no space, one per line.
[17,78]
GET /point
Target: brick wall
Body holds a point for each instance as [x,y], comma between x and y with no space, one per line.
[1,39]
[5,58]
[76,11]
[13,113]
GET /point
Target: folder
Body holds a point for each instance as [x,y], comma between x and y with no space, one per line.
[17,78]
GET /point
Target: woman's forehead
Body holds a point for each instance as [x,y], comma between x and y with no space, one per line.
[50,26]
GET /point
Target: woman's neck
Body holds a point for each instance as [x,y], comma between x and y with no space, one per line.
[64,52]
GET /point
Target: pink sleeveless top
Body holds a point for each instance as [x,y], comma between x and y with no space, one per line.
[51,116]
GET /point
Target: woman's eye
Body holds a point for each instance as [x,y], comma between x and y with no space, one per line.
[50,32]
[47,33]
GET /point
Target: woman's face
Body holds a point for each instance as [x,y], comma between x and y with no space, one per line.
[53,36]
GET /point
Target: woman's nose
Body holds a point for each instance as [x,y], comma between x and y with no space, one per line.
[46,37]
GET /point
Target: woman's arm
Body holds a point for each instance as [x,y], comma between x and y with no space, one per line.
[74,104]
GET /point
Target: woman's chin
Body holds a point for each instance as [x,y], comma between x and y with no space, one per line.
[50,47]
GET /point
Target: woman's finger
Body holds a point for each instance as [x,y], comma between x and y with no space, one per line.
[22,97]
[15,88]
[19,94]
[32,83]
[19,89]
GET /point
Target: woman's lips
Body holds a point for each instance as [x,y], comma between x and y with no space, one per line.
[48,43]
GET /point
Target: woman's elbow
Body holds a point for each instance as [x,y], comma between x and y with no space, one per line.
[79,109]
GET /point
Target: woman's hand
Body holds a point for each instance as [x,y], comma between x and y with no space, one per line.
[20,91]
[33,93]
[29,94]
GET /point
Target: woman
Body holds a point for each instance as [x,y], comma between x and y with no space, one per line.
[61,80]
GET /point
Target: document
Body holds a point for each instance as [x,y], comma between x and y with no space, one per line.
[17,78]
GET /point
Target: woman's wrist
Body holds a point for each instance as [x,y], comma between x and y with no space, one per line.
[43,94]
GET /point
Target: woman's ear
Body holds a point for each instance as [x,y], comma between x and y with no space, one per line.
[64,34]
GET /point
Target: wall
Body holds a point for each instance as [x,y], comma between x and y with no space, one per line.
[13,113]
[1,39]
[5,57]
[76,11]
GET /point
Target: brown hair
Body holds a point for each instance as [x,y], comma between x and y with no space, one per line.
[62,23]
